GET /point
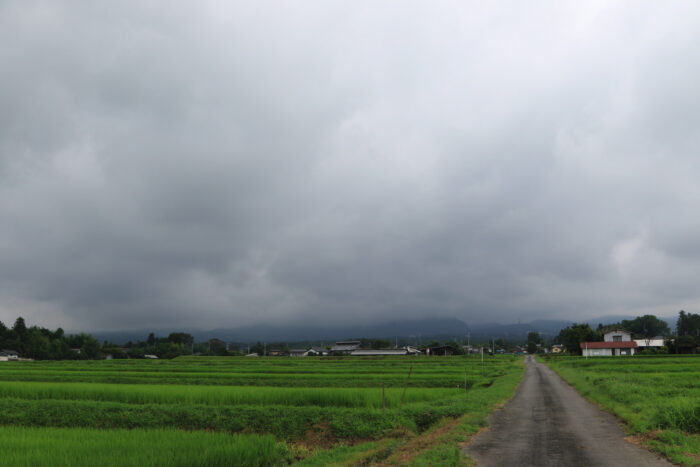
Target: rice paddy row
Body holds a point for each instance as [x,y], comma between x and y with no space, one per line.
[222,395]
[293,402]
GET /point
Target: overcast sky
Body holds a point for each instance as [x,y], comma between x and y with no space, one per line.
[217,164]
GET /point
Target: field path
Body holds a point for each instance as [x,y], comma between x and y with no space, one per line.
[547,423]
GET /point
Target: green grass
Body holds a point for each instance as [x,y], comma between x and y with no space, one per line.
[84,447]
[657,397]
[221,395]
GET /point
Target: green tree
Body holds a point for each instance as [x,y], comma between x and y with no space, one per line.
[90,348]
[533,341]
[36,345]
[573,335]
[181,338]
[217,347]
[646,326]
[688,324]
[20,327]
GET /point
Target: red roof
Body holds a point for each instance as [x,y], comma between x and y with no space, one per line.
[609,345]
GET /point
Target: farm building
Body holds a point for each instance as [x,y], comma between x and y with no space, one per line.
[313,351]
[444,350]
[557,348]
[383,352]
[310,352]
[345,347]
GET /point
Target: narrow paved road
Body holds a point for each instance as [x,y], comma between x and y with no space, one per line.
[548,423]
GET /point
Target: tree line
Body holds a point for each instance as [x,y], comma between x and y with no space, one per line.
[40,343]
[43,344]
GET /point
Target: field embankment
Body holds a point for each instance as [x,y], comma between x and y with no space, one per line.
[657,397]
[312,410]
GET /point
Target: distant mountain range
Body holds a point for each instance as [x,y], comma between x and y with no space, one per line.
[418,330]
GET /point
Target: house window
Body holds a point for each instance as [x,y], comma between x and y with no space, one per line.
[617,338]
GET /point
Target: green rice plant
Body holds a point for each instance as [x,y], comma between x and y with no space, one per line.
[656,395]
[681,413]
[87,447]
[219,395]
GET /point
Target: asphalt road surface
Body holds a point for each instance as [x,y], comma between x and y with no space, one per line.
[548,423]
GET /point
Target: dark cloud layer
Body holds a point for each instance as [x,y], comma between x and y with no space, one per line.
[216,164]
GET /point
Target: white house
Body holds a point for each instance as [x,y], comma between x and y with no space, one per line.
[617,335]
[615,342]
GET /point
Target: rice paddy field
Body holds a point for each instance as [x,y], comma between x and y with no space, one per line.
[248,411]
[657,397]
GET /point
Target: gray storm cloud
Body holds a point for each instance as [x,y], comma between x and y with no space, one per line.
[216,164]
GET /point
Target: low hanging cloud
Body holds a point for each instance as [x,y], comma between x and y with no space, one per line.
[216,164]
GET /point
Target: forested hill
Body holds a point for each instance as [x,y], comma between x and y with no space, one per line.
[419,330]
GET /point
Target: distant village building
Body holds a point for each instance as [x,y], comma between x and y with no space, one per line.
[310,352]
[408,350]
[152,357]
[345,347]
[317,351]
[615,342]
[443,350]
[557,348]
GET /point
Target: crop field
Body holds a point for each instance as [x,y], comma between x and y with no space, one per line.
[248,411]
[657,397]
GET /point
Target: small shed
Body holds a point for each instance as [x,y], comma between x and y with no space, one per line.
[9,354]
